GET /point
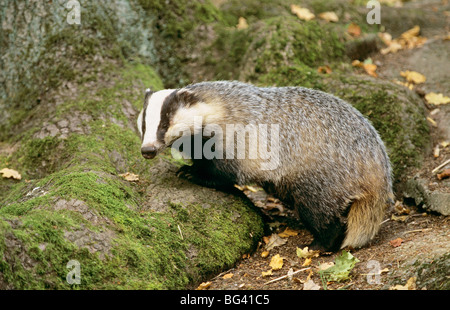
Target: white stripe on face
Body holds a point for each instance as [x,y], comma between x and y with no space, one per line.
[153,116]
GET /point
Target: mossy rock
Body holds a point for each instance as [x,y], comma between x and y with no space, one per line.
[71,133]
[158,233]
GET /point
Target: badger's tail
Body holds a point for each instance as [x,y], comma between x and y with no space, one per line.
[365,217]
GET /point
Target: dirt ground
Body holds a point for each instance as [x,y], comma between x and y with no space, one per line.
[423,235]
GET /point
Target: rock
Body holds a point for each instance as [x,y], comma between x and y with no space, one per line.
[432,200]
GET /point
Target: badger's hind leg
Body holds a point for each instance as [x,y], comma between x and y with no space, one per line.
[364,219]
[328,229]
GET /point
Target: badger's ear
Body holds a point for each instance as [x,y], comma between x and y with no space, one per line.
[187,97]
[148,93]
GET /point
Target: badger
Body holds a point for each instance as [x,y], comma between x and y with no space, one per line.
[331,165]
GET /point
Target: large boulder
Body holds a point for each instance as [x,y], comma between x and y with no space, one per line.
[68,127]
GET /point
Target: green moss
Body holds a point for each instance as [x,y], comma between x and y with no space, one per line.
[144,248]
[176,26]
[298,75]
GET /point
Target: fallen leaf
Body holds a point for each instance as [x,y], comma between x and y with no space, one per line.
[131,177]
[436,99]
[305,253]
[266,273]
[401,218]
[274,241]
[413,76]
[354,30]
[204,286]
[344,263]
[288,233]
[409,39]
[307,262]
[276,262]
[410,285]
[396,242]
[310,286]
[324,69]
[329,16]
[325,266]
[228,276]
[385,37]
[444,174]
[393,48]
[413,32]
[444,144]
[242,24]
[370,69]
[265,254]
[10,173]
[406,84]
[367,65]
[302,13]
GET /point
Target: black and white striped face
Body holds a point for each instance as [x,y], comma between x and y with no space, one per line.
[164,112]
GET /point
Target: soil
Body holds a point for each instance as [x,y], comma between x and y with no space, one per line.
[424,236]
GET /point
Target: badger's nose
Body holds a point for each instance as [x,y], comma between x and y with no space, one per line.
[148,152]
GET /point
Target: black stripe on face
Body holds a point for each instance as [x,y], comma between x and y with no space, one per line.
[171,104]
[148,94]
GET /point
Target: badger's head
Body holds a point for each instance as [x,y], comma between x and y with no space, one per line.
[168,114]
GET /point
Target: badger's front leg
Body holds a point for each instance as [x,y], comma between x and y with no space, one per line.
[203,172]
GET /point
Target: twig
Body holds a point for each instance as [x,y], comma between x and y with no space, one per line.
[179,229]
[285,276]
[417,230]
[440,166]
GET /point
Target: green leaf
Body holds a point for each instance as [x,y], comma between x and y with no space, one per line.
[344,263]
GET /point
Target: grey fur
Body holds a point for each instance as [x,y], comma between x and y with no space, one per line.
[333,164]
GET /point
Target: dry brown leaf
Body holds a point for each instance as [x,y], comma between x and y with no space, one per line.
[408,39]
[370,69]
[392,47]
[406,84]
[305,253]
[10,173]
[436,99]
[410,285]
[310,286]
[354,30]
[266,273]
[324,69]
[302,13]
[325,266]
[396,242]
[204,286]
[444,144]
[288,233]
[276,262]
[385,37]
[413,76]
[329,16]
[130,177]
[274,241]
[413,32]
[228,276]
[242,24]
[445,174]
[307,262]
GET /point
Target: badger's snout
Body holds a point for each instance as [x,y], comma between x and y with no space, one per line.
[149,152]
